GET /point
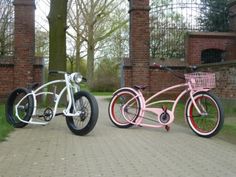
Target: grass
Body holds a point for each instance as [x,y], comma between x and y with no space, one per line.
[5,127]
[228,131]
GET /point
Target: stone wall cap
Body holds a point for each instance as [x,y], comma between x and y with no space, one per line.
[24,3]
[169,62]
[39,61]
[7,60]
[223,34]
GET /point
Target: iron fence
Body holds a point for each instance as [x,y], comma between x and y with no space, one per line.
[170,20]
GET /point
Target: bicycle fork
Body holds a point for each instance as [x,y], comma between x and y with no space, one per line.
[203,112]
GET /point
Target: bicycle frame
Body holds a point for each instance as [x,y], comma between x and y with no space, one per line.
[145,104]
[68,87]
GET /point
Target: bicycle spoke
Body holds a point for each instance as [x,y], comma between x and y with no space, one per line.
[208,123]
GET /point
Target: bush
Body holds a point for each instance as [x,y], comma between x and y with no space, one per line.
[106,76]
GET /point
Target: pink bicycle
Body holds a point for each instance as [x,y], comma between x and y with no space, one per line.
[203,110]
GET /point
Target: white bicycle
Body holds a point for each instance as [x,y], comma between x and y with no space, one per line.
[81,112]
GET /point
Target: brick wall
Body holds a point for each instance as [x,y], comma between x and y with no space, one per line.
[23,68]
[7,69]
[160,80]
[225,78]
[197,42]
[6,76]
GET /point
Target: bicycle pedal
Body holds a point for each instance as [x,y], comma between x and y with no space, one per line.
[167,128]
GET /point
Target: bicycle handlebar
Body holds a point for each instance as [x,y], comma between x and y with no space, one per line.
[56,72]
[192,67]
[63,72]
[176,74]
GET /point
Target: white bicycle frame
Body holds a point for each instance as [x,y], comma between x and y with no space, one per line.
[69,86]
[145,104]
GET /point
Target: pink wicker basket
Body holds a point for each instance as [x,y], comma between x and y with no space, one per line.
[200,80]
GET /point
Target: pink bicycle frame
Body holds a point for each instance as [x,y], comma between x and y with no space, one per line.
[145,104]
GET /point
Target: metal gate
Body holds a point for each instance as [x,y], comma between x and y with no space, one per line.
[170,20]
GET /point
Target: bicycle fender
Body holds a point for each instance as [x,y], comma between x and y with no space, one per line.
[138,94]
[126,88]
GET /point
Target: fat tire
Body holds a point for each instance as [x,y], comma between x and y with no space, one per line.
[92,119]
[221,114]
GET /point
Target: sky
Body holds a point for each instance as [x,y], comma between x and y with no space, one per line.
[41,12]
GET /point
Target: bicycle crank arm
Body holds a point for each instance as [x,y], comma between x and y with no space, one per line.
[59,114]
[70,114]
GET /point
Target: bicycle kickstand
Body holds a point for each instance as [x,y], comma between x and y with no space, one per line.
[167,127]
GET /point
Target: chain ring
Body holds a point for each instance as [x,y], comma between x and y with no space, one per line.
[48,114]
[164,118]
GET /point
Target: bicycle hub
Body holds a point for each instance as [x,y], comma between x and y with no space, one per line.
[164,118]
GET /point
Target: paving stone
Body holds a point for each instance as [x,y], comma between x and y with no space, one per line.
[53,151]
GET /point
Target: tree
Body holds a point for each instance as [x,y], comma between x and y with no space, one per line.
[57,34]
[76,22]
[106,76]
[116,46]
[214,15]
[41,43]
[97,24]
[6,23]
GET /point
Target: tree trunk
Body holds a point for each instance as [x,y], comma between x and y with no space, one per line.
[78,57]
[78,41]
[57,35]
[57,38]
[90,65]
[90,57]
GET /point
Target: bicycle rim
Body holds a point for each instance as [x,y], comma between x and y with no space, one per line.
[207,124]
[124,109]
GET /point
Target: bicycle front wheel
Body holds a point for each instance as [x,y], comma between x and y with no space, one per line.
[211,119]
[124,108]
[86,104]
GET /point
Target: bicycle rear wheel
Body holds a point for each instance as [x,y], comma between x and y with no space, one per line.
[86,121]
[25,108]
[124,108]
[211,122]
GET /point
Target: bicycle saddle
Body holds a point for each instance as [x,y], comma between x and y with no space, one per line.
[140,87]
[33,86]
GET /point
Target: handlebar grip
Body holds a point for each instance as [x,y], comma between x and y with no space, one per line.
[159,66]
[193,67]
[84,79]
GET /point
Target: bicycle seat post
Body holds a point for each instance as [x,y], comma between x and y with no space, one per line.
[55,93]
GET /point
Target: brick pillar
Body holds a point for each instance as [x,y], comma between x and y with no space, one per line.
[24,42]
[139,41]
[231,48]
